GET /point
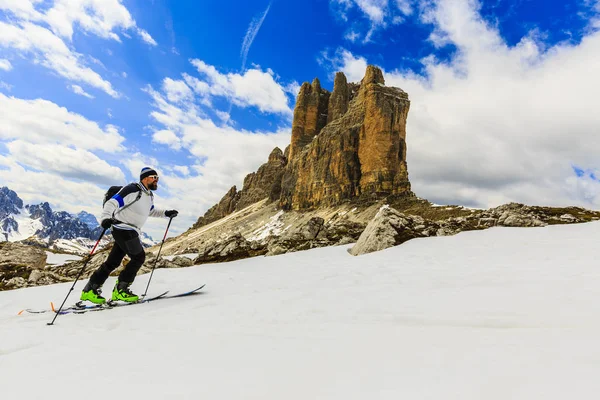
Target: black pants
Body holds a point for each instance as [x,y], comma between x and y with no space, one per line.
[126,243]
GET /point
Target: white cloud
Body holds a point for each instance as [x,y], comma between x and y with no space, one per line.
[49,50]
[352,36]
[405,6]
[99,17]
[64,161]
[5,86]
[292,89]
[177,91]
[23,9]
[254,88]
[146,37]
[50,155]
[223,116]
[5,65]
[375,10]
[40,29]
[43,122]
[499,123]
[38,186]
[135,162]
[79,90]
[353,67]
[223,155]
[182,169]
[379,14]
[167,137]
[251,33]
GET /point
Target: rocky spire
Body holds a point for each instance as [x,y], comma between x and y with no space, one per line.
[362,155]
[310,115]
[338,102]
[373,75]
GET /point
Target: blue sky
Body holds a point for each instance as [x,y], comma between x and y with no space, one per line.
[503,94]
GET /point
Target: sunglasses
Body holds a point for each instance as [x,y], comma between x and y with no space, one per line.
[155,177]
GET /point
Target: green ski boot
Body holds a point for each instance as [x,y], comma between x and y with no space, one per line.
[121,292]
[91,292]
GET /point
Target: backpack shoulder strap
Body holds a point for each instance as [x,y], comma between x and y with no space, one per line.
[139,196]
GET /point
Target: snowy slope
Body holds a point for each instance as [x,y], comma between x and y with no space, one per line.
[506,313]
[27,226]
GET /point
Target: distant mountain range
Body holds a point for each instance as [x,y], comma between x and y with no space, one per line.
[40,225]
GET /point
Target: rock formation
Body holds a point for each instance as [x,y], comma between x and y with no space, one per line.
[17,262]
[359,154]
[391,227]
[264,183]
[346,145]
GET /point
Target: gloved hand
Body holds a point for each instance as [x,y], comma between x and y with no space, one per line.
[171,213]
[107,223]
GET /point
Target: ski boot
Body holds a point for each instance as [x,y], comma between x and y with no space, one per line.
[121,292]
[91,292]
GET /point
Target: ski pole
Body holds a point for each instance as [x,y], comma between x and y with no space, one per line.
[76,279]
[158,255]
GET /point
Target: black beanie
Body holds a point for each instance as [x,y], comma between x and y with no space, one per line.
[146,172]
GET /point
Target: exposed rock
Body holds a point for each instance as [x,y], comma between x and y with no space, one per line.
[349,145]
[225,207]
[309,231]
[18,261]
[232,248]
[360,154]
[310,115]
[345,240]
[315,233]
[266,182]
[340,97]
[10,203]
[390,228]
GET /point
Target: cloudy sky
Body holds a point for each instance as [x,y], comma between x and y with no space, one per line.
[503,94]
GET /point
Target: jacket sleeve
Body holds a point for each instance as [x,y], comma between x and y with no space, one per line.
[109,208]
[125,196]
[157,212]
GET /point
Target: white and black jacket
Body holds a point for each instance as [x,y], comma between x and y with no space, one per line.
[126,208]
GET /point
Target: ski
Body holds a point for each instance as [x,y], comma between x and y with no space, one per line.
[185,293]
[81,308]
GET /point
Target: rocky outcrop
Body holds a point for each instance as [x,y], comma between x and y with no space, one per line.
[348,145]
[310,115]
[339,99]
[316,233]
[391,227]
[360,154]
[232,248]
[17,262]
[10,203]
[225,207]
[264,183]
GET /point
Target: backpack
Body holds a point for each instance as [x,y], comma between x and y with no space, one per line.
[110,193]
[116,189]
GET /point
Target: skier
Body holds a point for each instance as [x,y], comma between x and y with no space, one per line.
[126,212]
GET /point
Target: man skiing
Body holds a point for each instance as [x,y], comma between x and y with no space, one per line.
[126,212]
